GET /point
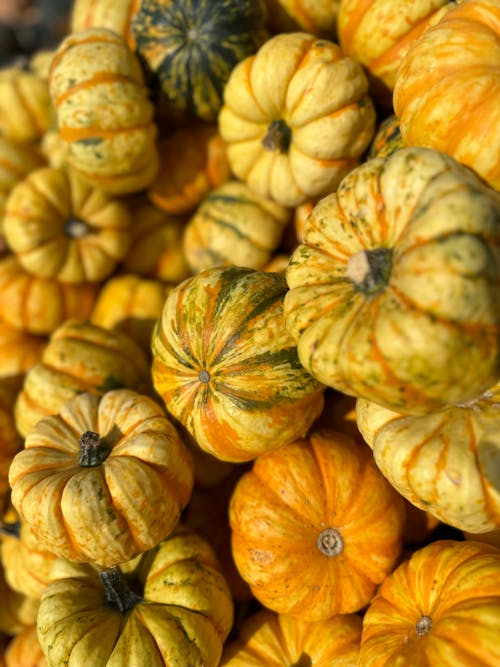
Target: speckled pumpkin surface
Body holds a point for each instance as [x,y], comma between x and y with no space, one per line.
[227,369]
[395,293]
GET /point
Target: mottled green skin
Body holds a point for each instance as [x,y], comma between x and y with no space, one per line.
[192,46]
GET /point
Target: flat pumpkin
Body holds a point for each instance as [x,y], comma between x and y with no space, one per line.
[296,118]
[446,462]
[394,295]
[315,527]
[102,480]
[226,368]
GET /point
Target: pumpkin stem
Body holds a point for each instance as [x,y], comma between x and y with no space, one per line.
[370,270]
[93,450]
[278,136]
[118,593]
[76,228]
[423,625]
[11,529]
[330,542]
[303,661]
[204,376]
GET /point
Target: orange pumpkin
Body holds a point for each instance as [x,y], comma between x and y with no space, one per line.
[440,607]
[315,527]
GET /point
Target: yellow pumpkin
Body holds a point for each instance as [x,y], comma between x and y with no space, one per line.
[19,351]
[102,480]
[395,293]
[296,118]
[26,110]
[171,606]
[446,462]
[116,15]
[103,112]
[61,227]
[17,610]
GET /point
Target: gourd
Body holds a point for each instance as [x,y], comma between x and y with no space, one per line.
[315,527]
[10,440]
[226,368]
[387,138]
[191,48]
[103,111]
[318,17]
[296,118]
[440,607]
[60,227]
[444,462]
[394,293]
[115,15]
[26,110]
[19,351]
[17,610]
[102,480]
[24,650]
[170,606]
[446,94]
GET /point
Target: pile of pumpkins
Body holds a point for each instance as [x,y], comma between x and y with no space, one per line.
[250,336]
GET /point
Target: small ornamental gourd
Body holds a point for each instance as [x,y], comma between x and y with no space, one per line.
[395,292]
[226,368]
[446,462]
[296,118]
[102,480]
[234,225]
[79,357]
[17,610]
[103,111]
[446,93]
[115,15]
[440,607]
[10,440]
[315,527]
[387,138]
[19,351]
[316,17]
[24,650]
[192,47]
[60,227]
[267,639]
[26,110]
[171,606]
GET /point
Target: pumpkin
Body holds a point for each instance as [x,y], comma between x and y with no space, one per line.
[451,101]
[104,479]
[378,33]
[39,62]
[26,110]
[267,639]
[394,294]
[10,440]
[315,527]
[440,607]
[318,17]
[17,610]
[226,368]
[131,304]
[115,15]
[54,148]
[171,606]
[446,462]
[387,138]
[19,351]
[24,650]
[192,47]
[61,227]
[79,357]
[38,305]
[16,161]
[156,244]
[296,118]
[234,225]
[103,112]
[193,161]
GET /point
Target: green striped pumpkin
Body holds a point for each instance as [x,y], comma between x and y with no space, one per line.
[192,46]
[227,369]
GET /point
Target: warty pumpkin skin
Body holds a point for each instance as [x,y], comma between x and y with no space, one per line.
[103,111]
[104,479]
[226,368]
[26,110]
[191,47]
[79,357]
[115,15]
[296,118]
[451,101]
[315,527]
[179,613]
[267,639]
[395,293]
[445,462]
[234,225]
[61,227]
[440,607]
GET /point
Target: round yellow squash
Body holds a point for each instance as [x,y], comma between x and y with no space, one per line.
[26,110]
[395,293]
[296,118]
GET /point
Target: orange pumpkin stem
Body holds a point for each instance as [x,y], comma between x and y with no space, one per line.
[330,542]
[93,451]
[278,136]
[423,625]
[118,593]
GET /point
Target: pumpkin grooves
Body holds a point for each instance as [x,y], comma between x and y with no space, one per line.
[93,451]
[278,137]
[330,542]
[118,593]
